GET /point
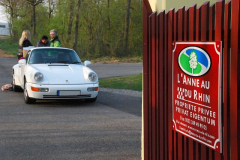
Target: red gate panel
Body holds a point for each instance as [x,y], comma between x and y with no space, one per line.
[218,22]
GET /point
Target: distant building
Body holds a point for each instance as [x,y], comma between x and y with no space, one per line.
[4,29]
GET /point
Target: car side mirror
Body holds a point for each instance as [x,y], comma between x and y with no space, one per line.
[86,63]
[22,62]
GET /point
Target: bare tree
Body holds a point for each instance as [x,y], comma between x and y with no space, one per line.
[51,4]
[11,9]
[127,26]
[34,3]
[76,25]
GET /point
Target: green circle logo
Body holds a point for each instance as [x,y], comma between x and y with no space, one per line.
[194,61]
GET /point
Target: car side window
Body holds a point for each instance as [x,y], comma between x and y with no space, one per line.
[36,58]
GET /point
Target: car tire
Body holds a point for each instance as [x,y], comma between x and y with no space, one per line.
[27,99]
[14,87]
[91,100]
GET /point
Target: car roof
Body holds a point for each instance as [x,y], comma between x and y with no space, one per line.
[36,48]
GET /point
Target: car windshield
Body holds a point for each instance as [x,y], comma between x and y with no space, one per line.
[42,56]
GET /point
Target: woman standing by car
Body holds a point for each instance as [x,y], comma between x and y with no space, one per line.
[24,41]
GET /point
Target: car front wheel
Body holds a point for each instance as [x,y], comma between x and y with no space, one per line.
[27,99]
[14,87]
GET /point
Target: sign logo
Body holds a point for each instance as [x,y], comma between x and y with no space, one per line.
[194,61]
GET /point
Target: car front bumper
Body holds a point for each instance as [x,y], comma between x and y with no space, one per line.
[53,91]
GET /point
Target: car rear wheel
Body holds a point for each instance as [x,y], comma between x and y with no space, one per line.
[91,100]
[27,99]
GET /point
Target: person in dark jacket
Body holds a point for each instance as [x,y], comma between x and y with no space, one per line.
[55,42]
[43,42]
[24,41]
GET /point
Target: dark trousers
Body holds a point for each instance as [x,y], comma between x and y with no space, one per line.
[19,56]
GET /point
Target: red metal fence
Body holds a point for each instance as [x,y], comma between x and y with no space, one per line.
[220,21]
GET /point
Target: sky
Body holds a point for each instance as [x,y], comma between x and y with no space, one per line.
[3,16]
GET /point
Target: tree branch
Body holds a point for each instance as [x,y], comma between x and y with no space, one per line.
[38,2]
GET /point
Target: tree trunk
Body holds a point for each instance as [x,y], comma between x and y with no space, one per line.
[49,10]
[11,22]
[127,27]
[109,22]
[34,3]
[34,20]
[70,18]
[51,5]
[76,25]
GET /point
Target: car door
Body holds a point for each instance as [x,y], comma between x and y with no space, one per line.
[21,70]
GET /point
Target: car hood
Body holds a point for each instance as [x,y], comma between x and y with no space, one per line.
[62,73]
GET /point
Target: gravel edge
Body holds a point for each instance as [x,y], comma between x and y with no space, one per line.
[122,92]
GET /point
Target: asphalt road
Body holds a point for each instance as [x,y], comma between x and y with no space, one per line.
[110,128]
[113,70]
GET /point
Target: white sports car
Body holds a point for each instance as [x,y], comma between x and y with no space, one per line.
[54,73]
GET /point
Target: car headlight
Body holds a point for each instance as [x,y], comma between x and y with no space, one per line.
[38,76]
[92,77]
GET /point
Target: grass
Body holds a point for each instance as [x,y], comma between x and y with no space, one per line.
[106,60]
[132,82]
[8,46]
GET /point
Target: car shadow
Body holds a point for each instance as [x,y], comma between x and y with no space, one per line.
[63,103]
[53,103]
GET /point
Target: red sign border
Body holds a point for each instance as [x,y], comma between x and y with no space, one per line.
[219,90]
